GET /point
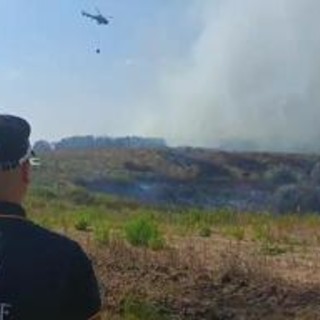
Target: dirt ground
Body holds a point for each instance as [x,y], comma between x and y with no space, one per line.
[213,278]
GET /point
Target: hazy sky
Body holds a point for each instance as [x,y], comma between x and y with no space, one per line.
[199,72]
[50,73]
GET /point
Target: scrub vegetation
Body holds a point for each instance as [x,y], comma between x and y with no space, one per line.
[186,262]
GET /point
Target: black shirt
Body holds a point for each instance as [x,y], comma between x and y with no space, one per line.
[43,275]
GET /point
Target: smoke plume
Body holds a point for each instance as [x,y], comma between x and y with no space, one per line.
[250,79]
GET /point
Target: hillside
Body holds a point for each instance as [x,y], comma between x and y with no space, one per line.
[160,258]
[188,177]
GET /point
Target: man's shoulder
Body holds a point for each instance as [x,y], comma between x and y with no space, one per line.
[54,240]
[54,256]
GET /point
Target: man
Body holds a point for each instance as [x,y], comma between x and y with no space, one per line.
[43,275]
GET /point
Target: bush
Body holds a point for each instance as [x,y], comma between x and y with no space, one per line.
[315,173]
[82,223]
[297,199]
[143,232]
[281,176]
[135,309]
[286,199]
[205,231]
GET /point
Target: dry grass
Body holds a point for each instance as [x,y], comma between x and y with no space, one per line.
[245,267]
[204,278]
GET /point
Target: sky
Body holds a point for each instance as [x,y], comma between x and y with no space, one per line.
[50,73]
[215,73]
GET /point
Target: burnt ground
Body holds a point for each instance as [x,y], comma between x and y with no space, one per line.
[179,176]
[176,284]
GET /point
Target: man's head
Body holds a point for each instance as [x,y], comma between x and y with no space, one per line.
[15,152]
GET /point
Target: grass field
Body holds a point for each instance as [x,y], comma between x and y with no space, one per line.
[156,263]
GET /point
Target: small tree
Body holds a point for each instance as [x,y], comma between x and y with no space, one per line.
[315,174]
[297,199]
[281,176]
[42,146]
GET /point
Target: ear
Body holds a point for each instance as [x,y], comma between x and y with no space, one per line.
[25,172]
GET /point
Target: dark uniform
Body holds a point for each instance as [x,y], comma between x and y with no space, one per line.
[43,275]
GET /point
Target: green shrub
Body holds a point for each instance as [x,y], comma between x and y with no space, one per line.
[297,199]
[136,309]
[205,231]
[142,232]
[315,173]
[262,232]
[281,176]
[82,223]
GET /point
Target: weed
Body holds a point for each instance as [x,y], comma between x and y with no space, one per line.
[205,231]
[194,218]
[136,309]
[143,232]
[262,232]
[82,223]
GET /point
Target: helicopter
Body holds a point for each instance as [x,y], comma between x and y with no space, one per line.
[99,18]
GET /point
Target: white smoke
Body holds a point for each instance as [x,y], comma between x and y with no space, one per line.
[252,76]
